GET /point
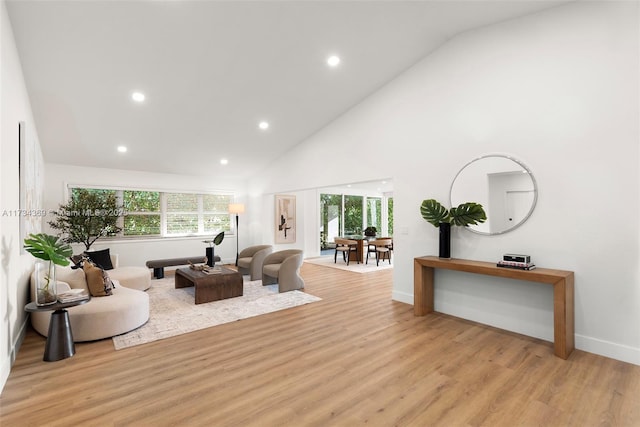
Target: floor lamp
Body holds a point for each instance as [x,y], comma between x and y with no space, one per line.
[236,208]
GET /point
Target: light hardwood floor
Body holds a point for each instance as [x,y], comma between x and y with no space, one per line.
[354,358]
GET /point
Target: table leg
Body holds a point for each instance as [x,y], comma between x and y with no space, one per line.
[422,289]
[59,339]
[563,318]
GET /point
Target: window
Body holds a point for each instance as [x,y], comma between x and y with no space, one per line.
[142,213]
[155,213]
[353,215]
[182,213]
[374,213]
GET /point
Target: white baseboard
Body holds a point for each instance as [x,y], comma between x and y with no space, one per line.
[5,369]
[402,297]
[609,349]
[591,345]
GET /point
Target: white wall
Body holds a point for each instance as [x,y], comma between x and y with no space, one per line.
[137,252]
[557,90]
[14,267]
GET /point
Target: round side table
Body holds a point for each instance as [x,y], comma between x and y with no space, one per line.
[60,338]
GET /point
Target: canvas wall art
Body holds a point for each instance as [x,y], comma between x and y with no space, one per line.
[285,219]
[31,165]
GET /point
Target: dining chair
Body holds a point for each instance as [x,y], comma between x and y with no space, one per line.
[346,246]
[382,249]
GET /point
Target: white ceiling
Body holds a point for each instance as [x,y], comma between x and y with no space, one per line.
[211,70]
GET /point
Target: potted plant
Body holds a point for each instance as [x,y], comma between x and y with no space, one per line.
[88,216]
[211,260]
[370,231]
[55,252]
[464,214]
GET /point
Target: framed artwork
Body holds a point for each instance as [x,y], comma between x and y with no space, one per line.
[285,219]
[31,183]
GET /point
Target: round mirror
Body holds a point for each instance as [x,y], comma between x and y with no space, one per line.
[502,185]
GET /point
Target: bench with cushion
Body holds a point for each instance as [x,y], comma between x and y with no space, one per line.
[158,265]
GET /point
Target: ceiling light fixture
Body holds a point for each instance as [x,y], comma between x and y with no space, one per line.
[122,149]
[137,96]
[224,161]
[263,125]
[333,61]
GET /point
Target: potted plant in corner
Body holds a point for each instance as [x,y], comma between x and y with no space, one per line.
[465,214]
[87,216]
[54,252]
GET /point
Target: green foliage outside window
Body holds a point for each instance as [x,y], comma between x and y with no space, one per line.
[374,212]
[390,215]
[142,213]
[353,215]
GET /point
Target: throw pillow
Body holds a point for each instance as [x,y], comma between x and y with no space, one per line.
[101,258]
[76,261]
[75,278]
[98,281]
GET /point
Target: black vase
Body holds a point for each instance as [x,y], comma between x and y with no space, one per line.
[445,240]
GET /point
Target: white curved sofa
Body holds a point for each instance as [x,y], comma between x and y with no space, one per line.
[129,276]
[102,317]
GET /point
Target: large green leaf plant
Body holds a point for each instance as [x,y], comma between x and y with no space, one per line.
[48,248]
[465,214]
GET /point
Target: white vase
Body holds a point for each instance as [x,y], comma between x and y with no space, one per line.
[45,283]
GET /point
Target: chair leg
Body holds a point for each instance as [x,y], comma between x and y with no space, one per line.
[377,258]
[335,257]
[348,256]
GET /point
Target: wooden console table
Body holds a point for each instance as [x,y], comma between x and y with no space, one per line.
[562,281]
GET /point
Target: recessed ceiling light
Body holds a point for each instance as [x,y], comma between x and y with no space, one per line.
[263,125]
[224,161]
[333,61]
[122,149]
[137,96]
[384,182]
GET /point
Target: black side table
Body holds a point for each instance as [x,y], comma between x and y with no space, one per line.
[59,339]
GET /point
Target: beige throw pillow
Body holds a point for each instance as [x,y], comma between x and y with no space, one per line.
[98,281]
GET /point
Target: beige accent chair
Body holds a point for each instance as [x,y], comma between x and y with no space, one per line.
[250,260]
[346,246]
[283,267]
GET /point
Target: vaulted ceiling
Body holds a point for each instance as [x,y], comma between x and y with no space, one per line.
[211,71]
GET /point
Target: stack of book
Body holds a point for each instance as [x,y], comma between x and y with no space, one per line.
[73,295]
[518,262]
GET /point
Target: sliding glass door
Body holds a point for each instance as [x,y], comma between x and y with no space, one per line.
[347,215]
[330,218]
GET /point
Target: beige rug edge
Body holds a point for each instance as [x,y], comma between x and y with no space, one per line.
[327,261]
[173,311]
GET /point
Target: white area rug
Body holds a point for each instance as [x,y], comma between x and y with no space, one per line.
[327,261]
[174,312]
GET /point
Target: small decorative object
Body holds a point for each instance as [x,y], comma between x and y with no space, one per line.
[370,231]
[53,252]
[211,260]
[465,214]
[201,267]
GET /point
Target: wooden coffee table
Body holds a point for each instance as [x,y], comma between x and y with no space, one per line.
[223,283]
